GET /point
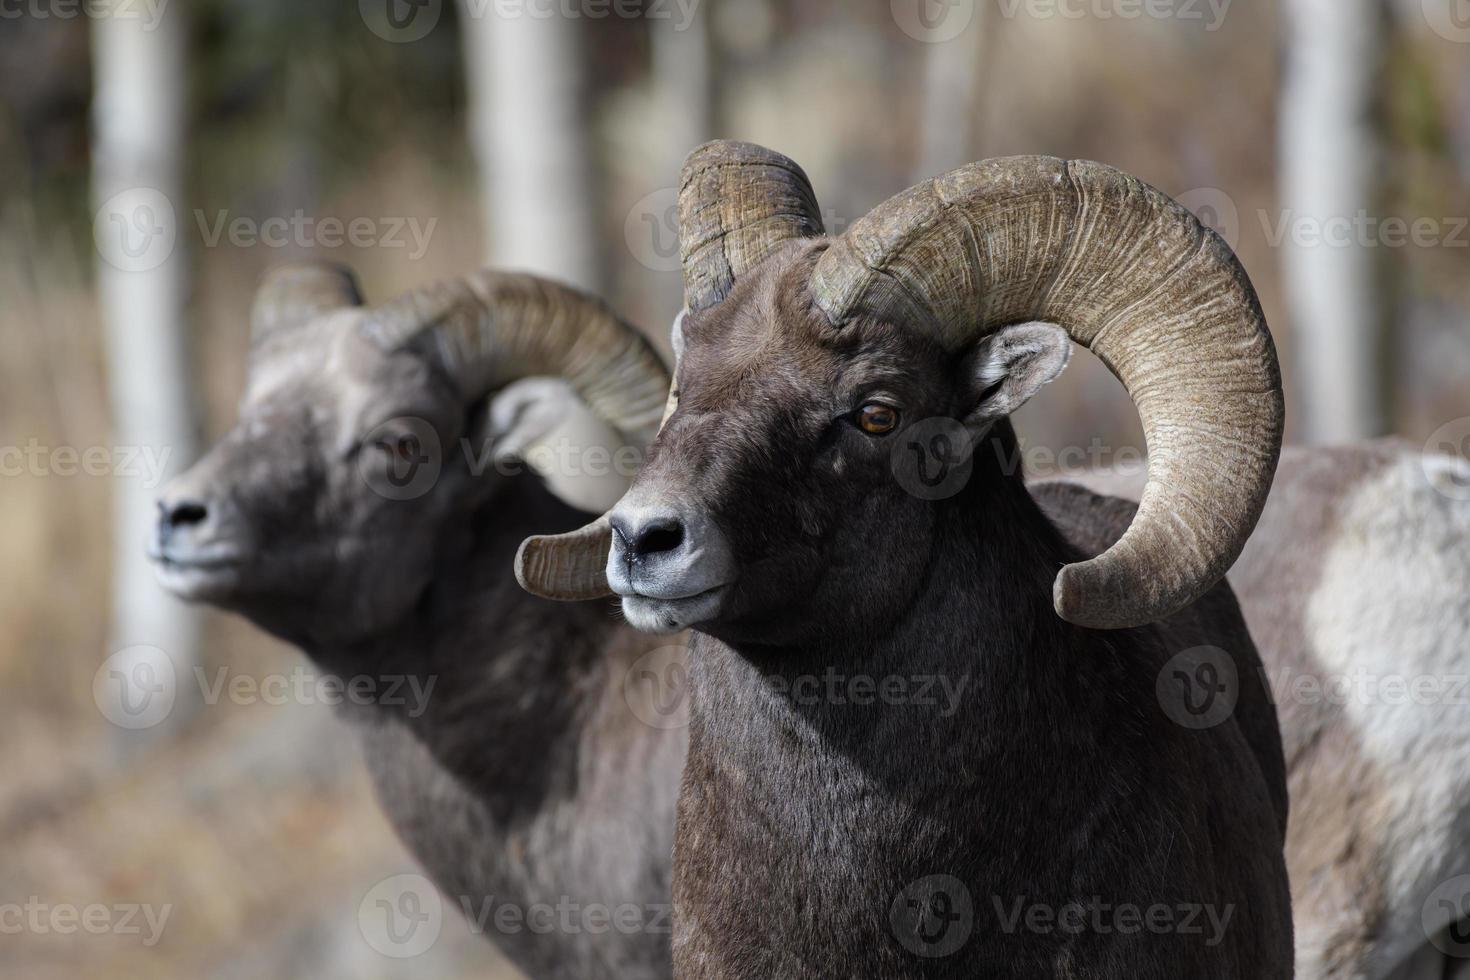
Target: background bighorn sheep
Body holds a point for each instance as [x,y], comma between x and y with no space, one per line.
[1356,575]
[524,777]
[767,518]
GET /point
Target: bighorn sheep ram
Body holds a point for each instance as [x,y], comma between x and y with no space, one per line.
[1354,588]
[524,780]
[1067,798]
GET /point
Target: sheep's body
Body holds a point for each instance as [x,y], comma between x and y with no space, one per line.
[354,511]
[1356,578]
[1060,778]
[538,802]
[1374,588]
[811,507]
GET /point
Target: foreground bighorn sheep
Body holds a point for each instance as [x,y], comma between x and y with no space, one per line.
[508,761]
[1354,587]
[1064,797]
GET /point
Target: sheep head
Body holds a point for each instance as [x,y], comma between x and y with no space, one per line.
[368,434]
[955,298]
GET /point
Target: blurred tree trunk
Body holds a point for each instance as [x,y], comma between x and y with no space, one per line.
[1329,157]
[950,115]
[683,74]
[137,160]
[531,139]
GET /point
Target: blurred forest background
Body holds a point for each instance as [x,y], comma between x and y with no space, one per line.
[1328,140]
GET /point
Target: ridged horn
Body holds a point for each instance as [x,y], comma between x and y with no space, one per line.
[492,328]
[293,295]
[738,203]
[1137,279]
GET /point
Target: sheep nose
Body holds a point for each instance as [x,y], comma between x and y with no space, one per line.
[648,534]
[174,514]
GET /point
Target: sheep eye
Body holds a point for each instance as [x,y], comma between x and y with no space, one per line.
[402,447]
[876,419]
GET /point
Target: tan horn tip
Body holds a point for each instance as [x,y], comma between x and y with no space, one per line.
[1099,594]
[567,567]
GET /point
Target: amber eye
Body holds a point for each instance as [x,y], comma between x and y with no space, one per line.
[876,419]
[401,446]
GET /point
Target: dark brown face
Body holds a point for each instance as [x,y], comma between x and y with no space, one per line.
[329,491]
[775,494]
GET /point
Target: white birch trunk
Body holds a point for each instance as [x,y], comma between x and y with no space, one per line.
[531,141]
[1328,162]
[950,114]
[137,157]
[683,79]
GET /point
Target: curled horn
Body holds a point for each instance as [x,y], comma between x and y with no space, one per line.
[738,203]
[292,295]
[1137,279]
[492,328]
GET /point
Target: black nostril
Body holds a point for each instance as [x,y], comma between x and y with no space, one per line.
[184,513]
[665,537]
[658,535]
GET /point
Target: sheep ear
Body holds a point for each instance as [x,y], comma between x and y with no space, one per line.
[1009,366]
[525,412]
[543,422]
[676,337]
